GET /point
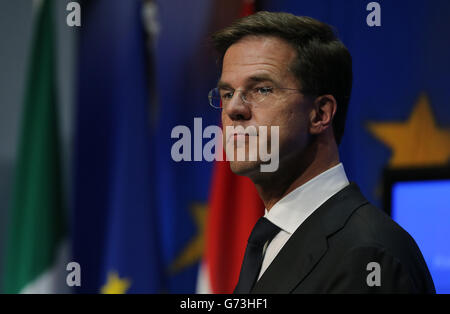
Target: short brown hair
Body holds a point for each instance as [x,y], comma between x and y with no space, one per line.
[323,64]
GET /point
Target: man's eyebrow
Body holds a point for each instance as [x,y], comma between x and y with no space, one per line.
[261,78]
[251,79]
[224,85]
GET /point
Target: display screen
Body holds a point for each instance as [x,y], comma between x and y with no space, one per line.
[423,209]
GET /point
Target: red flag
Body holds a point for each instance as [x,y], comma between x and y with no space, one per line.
[248,8]
[234,208]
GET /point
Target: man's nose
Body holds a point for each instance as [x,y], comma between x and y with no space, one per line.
[237,109]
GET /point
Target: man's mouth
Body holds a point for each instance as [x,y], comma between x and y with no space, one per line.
[242,136]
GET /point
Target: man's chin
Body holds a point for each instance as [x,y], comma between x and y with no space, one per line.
[245,168]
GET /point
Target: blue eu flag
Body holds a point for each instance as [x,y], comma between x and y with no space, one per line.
[115,227]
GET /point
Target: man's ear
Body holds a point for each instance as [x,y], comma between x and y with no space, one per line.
[322,113]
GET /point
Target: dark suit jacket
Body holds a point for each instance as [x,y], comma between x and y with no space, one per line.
[330,252]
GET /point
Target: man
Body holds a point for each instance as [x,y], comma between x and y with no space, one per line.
[319,233]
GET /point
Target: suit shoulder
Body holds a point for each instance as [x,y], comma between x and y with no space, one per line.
[372,224]
[369,225]
[369,229]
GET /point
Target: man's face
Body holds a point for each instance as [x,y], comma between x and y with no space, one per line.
[260,62]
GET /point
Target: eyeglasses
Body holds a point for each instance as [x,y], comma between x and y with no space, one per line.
[220,97]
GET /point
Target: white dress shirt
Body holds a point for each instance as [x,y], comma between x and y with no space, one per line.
[293,209]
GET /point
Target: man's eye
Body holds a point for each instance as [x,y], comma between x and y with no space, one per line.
[264,90]
[226,95]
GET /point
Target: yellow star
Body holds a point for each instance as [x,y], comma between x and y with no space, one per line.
[115,285]
[194,250]
[416,142]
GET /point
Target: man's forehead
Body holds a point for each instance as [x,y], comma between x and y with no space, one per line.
[257,57]
[252,50]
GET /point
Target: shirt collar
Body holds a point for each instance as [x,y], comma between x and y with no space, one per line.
[293,209]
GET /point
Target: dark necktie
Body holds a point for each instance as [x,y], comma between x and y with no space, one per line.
[262,233]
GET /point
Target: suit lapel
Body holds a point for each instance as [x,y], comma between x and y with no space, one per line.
[308,244]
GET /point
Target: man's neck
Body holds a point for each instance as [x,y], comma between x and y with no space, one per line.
[297,172]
